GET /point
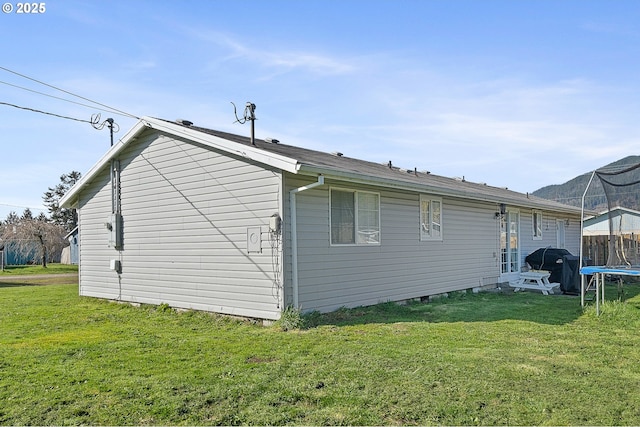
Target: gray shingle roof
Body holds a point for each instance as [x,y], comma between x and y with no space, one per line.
[313,161]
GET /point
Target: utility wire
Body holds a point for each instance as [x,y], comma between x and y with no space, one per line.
[47,113]
[22,207]
[69,93]
[56,97]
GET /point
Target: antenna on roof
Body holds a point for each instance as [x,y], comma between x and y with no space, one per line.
[110,123]
[249,115]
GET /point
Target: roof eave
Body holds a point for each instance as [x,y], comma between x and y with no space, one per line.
[70,200]
[306,169]
[245,151]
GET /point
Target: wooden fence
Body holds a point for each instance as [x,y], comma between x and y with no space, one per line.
[596,249]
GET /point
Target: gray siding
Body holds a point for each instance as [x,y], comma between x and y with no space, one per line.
[549,232]
[186,210]
[400,267]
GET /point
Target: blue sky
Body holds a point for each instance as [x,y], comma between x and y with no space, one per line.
[520,94]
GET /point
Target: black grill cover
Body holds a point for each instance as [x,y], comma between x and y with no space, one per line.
[570,281]
[561,264]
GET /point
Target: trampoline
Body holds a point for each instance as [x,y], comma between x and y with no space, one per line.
[617,182]
[596,282]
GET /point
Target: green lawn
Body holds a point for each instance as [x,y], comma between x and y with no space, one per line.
[22,270]
[486,359]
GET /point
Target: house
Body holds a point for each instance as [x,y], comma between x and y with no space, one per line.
[201,219]
[625,225]
[70,253]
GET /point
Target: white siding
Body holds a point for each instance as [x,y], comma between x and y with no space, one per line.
[186,210]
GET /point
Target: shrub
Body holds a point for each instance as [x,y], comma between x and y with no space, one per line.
[290,319]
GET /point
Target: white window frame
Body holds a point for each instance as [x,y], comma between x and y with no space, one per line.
[510,257]
[360,236]
[537,231]
[429,234]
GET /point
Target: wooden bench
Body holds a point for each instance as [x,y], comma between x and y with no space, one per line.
[538,280]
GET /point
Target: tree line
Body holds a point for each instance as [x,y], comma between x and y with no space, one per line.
[41,238]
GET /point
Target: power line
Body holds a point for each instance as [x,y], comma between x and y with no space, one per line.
[57,97]
[22,207]
[45,112]
[112,109]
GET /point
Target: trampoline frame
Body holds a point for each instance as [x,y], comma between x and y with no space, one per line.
[598,273]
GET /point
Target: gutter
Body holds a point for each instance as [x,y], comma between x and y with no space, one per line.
[516,198]
[294,235]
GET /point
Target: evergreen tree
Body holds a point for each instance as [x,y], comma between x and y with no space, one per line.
[12,218]
[67,218]
[27,214]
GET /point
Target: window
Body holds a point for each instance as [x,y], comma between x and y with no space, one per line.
[537,225]
[430,218]
[355,217]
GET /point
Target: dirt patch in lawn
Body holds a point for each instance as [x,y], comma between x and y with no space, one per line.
[38,280]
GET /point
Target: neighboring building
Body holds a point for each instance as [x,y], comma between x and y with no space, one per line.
[201,219]
[70,253]
[13,256]
[625,224]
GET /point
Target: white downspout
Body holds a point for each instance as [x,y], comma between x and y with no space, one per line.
[294,235]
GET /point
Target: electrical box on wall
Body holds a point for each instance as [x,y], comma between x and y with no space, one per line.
[115,265]
[114,227]
[275,223]
[254,240]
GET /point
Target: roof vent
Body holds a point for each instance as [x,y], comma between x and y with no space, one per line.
[337,154]
[271,140]
[184,122]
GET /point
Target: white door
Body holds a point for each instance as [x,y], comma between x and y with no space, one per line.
[510,246]
[560,234]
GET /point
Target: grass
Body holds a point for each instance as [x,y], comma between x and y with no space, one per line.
[472,359]
[23,275]
[22,270]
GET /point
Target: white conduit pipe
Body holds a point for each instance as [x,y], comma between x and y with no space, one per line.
[294,235]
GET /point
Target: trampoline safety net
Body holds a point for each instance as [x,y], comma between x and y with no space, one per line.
[621,186]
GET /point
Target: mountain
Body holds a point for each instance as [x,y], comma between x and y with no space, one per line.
[571,191]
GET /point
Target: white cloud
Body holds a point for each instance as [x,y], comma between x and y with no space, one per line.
[278,60]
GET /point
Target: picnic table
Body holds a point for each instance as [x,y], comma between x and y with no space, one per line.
[538,280]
